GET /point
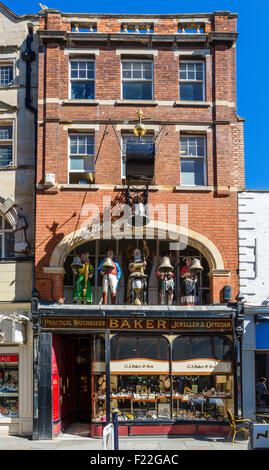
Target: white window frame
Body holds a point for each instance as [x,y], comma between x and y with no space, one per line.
[10,64]
[194,157]
[138,79]
[85,134]
[126,135]
[77,59]
[6,142]
[3,231]
[185,80]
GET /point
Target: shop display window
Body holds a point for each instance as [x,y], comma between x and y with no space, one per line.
[98,379]
[192,381]
[262,381]
[202,397]
[139,381]
[203,380]
[141,397]
[99,397]
[9,385]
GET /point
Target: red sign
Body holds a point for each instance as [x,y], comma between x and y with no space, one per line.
[8,358]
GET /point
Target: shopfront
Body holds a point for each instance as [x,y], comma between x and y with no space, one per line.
[255,362]
[9,385]
[162,375]
[15,372]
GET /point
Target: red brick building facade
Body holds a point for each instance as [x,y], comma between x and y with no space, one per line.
[183,69]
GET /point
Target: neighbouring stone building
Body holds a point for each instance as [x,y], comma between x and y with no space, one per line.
[253,209]
[168,369]
[18,99]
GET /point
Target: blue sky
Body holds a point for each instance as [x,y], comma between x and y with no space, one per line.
[252,61]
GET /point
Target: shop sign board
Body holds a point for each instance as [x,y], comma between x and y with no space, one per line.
[201,366]
[139,366]
[10,358]
[136,324]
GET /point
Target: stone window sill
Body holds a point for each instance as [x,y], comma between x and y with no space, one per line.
[81,102]
[137,102]
[204,104]
[193,188]
[92,187]
[120,187]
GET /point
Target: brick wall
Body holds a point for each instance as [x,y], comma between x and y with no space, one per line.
[212,213]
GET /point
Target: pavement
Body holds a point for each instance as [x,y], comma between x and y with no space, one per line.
[72,441]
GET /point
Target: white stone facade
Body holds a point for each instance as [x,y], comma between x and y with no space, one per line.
[253,227]
[17,208]
[254,246]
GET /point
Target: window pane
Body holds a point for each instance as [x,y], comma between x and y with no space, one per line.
[5,155]
[201,348]
[81,145]
[137,91]
[192,172]
[73,150]
[153,348]
[191,91]
[223,348]
[82,69]
[6,75]
[82,90]
[123,348]
[183,146]
[126,74]
[181,349]
[137,74]
[9,244]
[82,164]
[126,65]
[5,132]
[76,164]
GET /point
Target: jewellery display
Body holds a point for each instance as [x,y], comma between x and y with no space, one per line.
[149,398]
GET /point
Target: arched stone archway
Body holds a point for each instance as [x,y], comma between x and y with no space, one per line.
[175,232]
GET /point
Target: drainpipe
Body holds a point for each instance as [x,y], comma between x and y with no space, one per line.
[28,55]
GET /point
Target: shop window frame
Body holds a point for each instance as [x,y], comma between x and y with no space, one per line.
[192,80]
[3,242]
[140,80]
[81,79]
[81,155]
[8,142]
[188,157]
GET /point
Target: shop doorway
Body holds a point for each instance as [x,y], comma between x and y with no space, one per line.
[76,359]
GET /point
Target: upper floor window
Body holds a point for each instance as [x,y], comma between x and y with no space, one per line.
[191,81]
[137,82]
[81,158]
[6,145]
[193,160]
[6,239]
[131,138]
[6,75]
[82,76]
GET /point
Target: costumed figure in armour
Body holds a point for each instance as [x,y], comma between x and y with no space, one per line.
[189,278]
[138,278]
[165,273]
[111,272]
[83,272]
